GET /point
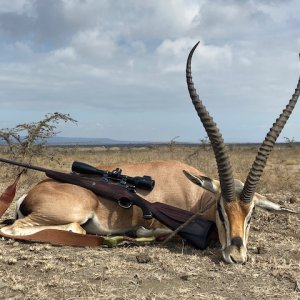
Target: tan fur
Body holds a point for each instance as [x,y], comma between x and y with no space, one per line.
[236,212]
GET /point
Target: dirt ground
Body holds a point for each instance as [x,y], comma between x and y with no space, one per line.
[175,271]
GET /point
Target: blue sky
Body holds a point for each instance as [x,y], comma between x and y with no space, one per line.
[118,67]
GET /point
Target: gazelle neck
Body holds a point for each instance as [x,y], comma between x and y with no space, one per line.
[206,205]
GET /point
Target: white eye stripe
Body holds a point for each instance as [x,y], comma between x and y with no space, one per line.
[249,216]
[247,221]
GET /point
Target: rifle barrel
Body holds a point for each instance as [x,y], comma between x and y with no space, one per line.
[23,165]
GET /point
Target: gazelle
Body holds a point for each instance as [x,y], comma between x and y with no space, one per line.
[55,205]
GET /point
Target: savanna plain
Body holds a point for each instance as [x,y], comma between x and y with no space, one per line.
[175,270]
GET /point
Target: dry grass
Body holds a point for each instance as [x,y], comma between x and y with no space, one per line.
[282,171]
[36,271]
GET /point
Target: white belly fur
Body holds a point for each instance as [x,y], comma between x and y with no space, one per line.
[93,226]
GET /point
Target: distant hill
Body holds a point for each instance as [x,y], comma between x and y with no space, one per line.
[84,141]
[80,141]
[72,141]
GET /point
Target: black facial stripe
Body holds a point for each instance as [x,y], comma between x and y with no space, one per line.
[219,209]
[249,220]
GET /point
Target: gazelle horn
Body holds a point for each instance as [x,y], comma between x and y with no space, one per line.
[266,147]
[215,137]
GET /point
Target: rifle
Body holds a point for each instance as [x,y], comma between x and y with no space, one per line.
[198,232]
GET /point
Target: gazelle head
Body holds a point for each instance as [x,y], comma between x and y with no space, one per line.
[235,200]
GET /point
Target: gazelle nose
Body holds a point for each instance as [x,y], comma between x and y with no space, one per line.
[233,260]
[238,260]
[236,253]
[237,241]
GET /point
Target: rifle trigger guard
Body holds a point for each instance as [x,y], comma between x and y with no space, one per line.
[124,203]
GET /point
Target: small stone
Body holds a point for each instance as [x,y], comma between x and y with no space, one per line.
[255,228]
[261,250]
[184,277]
[12,261]
[143,258]
[294,199]
[138,280]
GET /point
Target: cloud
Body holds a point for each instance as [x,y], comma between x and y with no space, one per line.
[126,61]
[170,54]
[92,45]
[16,6]
[67,54]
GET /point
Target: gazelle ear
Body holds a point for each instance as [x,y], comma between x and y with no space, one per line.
[203,181]
[262,202]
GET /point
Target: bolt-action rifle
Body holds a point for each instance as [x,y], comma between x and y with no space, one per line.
[198,232]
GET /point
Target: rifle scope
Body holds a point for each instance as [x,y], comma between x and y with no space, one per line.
[143,182]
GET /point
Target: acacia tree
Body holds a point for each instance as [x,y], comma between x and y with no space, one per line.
[290,141]
[29,139]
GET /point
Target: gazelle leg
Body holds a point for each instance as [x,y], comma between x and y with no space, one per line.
[27,226]
[157,232]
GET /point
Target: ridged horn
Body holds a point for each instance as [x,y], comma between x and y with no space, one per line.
[214,135]
[266,148]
